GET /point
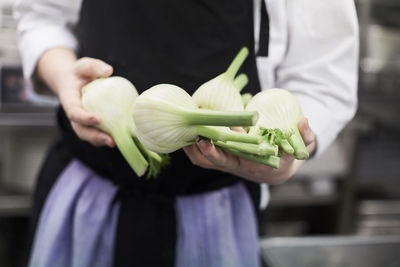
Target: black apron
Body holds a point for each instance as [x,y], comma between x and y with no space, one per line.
[182,42]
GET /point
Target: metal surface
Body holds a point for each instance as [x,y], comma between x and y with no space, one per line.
[23,147]
[346,251]
[15,205]
[26,119]
[379,207]
[378,217]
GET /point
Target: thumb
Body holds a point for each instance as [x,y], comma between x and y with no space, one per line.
[91,68]
[306,132]
[308,136]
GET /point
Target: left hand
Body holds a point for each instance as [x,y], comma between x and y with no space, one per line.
[206,155]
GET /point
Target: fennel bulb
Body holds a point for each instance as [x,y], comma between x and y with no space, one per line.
[167,119]
[223,92]
[112,99]
[280,113]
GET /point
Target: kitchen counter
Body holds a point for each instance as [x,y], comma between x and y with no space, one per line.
[338,251]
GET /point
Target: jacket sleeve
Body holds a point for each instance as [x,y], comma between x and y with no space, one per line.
[320,65]
[44,24]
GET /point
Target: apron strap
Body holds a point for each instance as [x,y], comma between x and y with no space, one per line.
[264,32]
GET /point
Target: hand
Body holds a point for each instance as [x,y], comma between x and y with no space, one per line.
[206,155]
[81,72]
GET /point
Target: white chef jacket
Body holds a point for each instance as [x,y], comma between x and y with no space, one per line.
[313,52]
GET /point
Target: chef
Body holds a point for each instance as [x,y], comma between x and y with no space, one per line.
[89,207]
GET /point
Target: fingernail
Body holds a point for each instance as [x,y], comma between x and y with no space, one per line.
[107,141]
[203,144]
[93,119]
[105,69]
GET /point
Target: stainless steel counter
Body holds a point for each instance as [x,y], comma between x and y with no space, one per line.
[344,251]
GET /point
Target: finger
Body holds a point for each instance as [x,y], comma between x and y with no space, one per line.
[306,132]
[311,147]
[238,129]
[79,115]
[92,68]
[308,135]
[92,135]
[71,103]
[254,168]
[217,157]
[196,157]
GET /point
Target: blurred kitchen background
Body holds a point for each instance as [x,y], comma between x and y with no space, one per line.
[341,205]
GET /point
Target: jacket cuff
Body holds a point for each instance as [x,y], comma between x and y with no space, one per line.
[33,43]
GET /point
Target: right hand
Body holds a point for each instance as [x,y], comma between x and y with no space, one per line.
[208,156]
[81,72]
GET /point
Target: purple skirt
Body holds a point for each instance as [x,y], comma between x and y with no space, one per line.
[77,225]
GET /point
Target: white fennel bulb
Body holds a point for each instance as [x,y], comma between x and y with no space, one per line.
[279,109]
[167,119]
[223,92]
[112,99]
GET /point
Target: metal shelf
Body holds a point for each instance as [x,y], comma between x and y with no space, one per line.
[394,3]
[331,251]
[15,205]
[303,201]
[27,119]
